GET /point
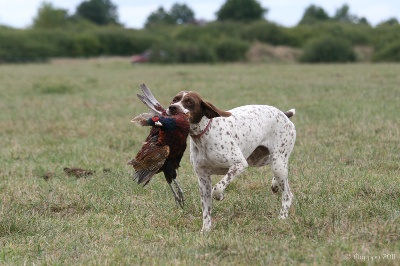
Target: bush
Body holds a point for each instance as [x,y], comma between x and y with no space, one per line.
[389,53]
[114,42]
[208,34]
[328,49]
[57,41]
[118,41]
[193,33]
[41,44]
[182,52]
[232,29]
[84,45]
[267,32]
[385,34]
[17,46]
[230,50]
[354,33]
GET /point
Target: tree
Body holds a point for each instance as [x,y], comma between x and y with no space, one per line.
[160,16]
[181,14]
[343,15]
[389,22]
[314,14]
[100,12]
[50,17]
[241,10]
[363,21]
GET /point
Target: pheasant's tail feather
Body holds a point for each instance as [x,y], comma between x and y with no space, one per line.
[143,176]
[149,104]
[149,161]
[150,97]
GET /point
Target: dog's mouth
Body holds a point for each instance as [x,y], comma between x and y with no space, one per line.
[185,114]
[181,113]
[177,110]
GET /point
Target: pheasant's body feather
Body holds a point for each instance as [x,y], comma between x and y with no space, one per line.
[163,149]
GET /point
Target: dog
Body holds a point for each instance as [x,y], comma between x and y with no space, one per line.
[227,142]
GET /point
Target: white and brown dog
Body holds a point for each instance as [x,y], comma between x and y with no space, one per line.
[226,143]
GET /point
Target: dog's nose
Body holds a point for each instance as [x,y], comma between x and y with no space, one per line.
[172,108]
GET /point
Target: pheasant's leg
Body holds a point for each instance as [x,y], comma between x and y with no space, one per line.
[177,195]
[181,199]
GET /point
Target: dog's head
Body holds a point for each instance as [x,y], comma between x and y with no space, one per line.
[191,103]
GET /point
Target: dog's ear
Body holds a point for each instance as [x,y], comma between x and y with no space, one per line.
[210,111]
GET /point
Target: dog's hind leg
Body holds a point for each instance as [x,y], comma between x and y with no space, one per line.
[279,167]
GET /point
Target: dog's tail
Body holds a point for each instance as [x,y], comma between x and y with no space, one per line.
[290,113]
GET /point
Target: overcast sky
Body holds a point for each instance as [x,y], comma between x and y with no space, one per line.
[133,13]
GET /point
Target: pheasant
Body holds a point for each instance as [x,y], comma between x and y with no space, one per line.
[164,146]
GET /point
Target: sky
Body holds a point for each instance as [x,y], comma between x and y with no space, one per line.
[133,13]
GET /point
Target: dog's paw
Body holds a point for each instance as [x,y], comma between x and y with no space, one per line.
[274,185]
[218,193]
[205,230]
[274,189]
[283,214]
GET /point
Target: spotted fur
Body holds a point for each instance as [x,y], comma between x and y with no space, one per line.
[226,143]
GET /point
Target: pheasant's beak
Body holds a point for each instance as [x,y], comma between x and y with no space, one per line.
[158,123]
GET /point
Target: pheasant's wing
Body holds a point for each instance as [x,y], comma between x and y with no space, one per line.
[153,135]
[148,161]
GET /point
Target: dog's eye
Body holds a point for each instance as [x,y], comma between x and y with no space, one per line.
[189,101]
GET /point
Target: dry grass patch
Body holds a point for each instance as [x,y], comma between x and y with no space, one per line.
[265,53]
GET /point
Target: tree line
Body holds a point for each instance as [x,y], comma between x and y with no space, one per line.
[177,36]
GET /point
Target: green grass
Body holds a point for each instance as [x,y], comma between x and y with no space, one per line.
[344,171]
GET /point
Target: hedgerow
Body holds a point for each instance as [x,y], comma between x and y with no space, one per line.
[217,41]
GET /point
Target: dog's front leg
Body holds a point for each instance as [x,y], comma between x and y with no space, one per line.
[206,199]
[235,170]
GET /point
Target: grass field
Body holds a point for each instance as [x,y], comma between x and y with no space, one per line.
[344,171]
